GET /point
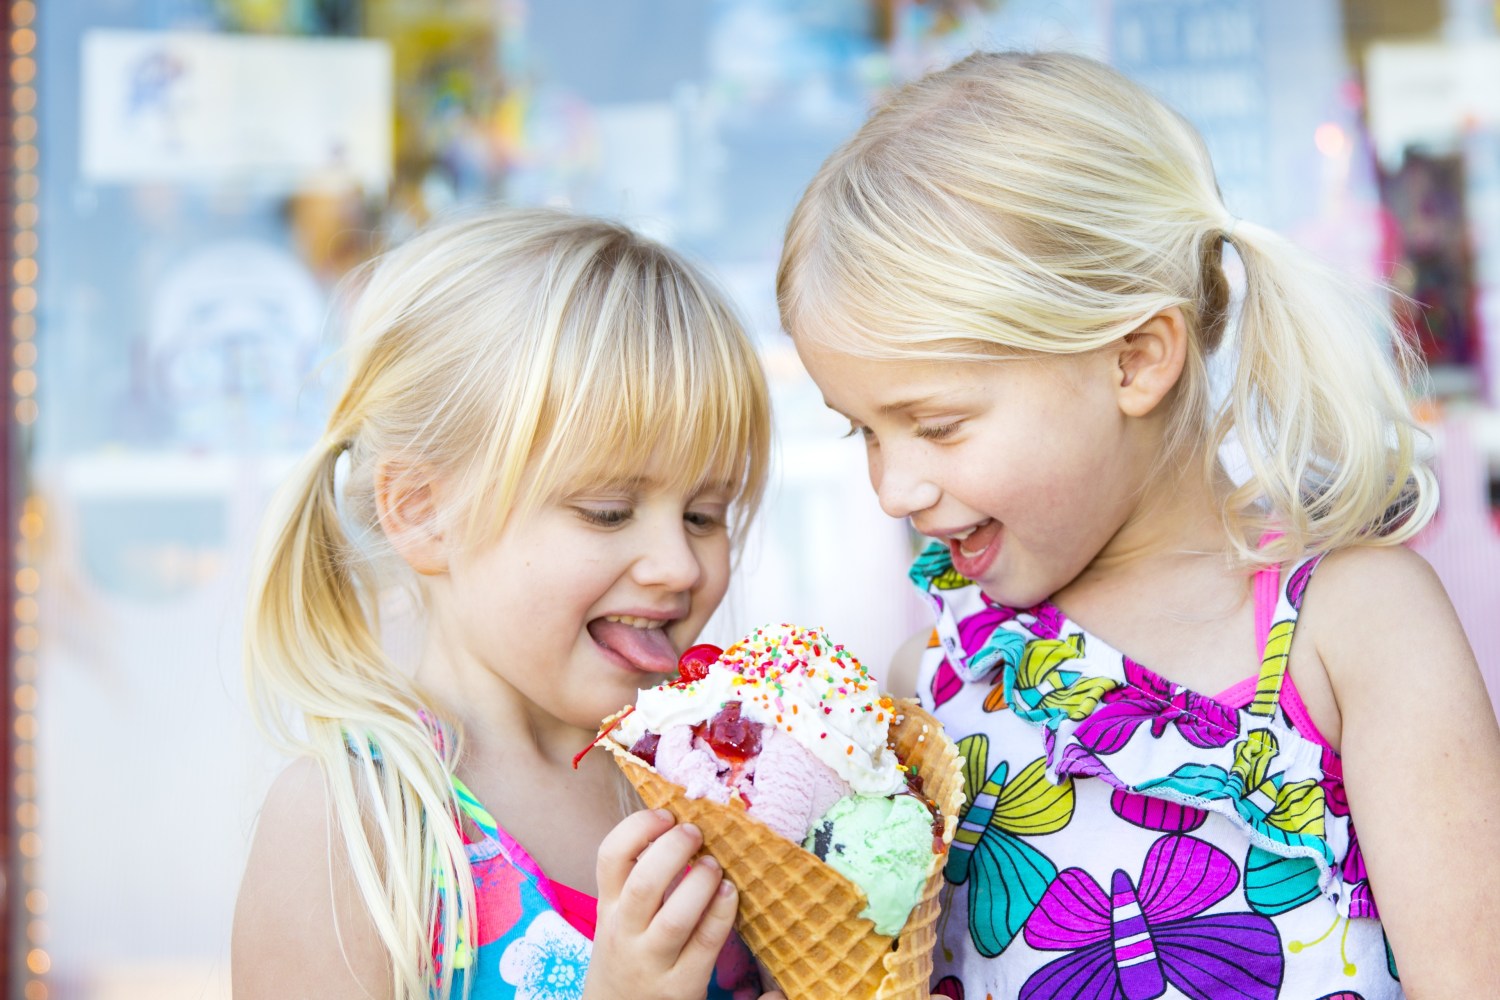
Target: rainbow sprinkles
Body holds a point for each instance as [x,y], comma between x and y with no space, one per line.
[796,679]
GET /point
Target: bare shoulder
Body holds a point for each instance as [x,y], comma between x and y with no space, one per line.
[1420,759]
[901,678]
[1383,626]
[298,906]
[1376,575]
[1372,599]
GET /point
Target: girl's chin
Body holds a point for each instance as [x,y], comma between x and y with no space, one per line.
[1010,594]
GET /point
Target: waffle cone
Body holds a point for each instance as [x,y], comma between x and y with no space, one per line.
[798,915]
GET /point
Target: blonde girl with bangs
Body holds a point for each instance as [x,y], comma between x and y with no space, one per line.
[1011,281]
[554,430]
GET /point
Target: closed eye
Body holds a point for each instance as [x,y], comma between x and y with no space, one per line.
[935,432]
[856,430]
[704,522]
[605,517]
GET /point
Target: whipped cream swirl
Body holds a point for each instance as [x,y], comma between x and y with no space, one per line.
[799,681]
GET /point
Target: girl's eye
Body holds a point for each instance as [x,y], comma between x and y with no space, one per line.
[605,517]
[935,432]
[855,430]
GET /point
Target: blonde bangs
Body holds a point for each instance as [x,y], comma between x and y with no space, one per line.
[649,368]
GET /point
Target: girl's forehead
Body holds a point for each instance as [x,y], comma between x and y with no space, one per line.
[855,384]
[831,365]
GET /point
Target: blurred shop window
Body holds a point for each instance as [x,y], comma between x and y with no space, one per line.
[1430,72]
[1431,261]
[213,170]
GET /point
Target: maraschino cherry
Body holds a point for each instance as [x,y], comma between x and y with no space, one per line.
[694,662]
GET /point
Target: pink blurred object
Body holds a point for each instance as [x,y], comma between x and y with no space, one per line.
[1463,545]
[692,764]
[792,788]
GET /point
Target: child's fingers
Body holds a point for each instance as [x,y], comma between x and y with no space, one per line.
[685,905]
[641,897]
[707,940]
[626,842]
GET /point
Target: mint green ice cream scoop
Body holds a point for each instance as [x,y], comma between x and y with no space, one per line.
[884,846]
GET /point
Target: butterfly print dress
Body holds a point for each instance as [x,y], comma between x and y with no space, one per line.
[530,938]
[1126,838]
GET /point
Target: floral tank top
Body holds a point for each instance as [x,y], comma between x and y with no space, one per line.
[530,937]
[1126,838]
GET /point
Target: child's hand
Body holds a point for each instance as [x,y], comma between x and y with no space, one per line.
[656,940]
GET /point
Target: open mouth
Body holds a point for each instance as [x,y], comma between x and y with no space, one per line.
[975,548]
[642,643]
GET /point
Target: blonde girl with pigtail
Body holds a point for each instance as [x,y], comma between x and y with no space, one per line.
[1223,734]
[553,429]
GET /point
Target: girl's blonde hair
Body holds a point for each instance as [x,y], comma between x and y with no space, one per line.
[1045,203]
[509,354]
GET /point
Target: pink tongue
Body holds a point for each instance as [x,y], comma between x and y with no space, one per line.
[647,649]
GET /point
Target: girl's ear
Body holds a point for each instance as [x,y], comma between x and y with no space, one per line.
[1151,359]
[406,502]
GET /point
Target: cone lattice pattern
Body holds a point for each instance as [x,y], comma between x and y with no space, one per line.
[799,916]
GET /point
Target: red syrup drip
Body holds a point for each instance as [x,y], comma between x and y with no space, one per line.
[692,665]
[602,733]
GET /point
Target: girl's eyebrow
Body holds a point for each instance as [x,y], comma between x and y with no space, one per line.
[906,404]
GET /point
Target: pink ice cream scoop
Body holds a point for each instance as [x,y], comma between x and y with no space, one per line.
[690,762]
[792,789]
[785,786]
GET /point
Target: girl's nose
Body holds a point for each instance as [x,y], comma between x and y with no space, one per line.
[902,488]
[669,561]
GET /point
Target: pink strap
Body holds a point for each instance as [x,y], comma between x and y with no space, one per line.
[1267,592]
[577,908]
[1267,583]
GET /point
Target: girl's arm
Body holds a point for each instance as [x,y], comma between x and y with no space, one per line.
[1421,753]
[300,926]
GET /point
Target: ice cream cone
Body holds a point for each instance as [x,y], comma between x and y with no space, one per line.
[798,915]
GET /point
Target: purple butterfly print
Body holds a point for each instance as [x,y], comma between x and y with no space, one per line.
[1334,794]
[976,629]
[1142,810]
[1146,697]
[945,683]
[1156,814]
[1352,870]
[1296,587]
[1361,899]
[949,987]
[1077,760]
[1135,940]
[1047,620]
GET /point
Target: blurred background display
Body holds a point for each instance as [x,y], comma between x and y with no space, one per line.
[194,179]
